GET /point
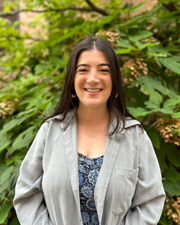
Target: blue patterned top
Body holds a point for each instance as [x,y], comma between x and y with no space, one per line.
[88,172]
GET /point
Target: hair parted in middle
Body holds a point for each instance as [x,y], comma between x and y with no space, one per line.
[116,103]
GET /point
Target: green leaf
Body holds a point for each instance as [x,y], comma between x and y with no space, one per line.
[172,153]
[154,136]
[45,104]
[108,19]
[14,176]
[142,45]
[158,50]
[42,68]
[8,126]
[173,48]
[4,187]
[176,115]
[5,141]
[172,188]
[14,221]
[70,33]
[172,101]
[17,159]
[166,110]
[153,105]
[38,100]
[37,121]
[4,211]
[161,155]
[6,174]
[174,156]
[172,63]
[140,35]
[25,138]
[139,6]
[123,43]
[124,51]
[171,174]
[137,112]
[17,121]
[25,113]
[149,85]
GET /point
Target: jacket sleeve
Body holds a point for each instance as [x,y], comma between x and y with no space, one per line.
[148,201]
[29,202]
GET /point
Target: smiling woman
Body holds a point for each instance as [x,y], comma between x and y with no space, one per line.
[91,161]
[92,81]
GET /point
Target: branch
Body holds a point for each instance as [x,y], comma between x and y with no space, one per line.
[94,8]
[19,37]
[47,10]
[170,6]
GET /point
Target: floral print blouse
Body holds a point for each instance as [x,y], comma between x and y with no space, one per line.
[88,172]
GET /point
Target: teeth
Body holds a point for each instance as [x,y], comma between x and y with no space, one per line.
[93,90]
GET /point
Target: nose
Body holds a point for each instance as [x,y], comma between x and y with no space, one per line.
[93,77]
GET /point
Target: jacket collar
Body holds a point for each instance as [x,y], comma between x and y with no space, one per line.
[65,123]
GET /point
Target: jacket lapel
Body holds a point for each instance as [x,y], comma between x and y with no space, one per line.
[111,151]
[70,144]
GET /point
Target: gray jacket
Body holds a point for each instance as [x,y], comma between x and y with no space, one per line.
[128,191]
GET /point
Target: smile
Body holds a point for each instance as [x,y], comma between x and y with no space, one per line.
[92,90]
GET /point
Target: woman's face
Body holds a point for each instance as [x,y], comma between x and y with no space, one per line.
[93,84]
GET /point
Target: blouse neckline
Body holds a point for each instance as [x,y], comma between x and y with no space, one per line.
[90,158]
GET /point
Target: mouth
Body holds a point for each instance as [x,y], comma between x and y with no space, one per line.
[93,90]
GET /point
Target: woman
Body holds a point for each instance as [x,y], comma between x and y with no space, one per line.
[91,162]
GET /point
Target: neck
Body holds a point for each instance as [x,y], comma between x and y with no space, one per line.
[93,116]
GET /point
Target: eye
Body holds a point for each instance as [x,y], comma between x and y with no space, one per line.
[105,70]
[82,70]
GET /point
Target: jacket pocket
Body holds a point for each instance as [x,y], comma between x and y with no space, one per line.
[125,186]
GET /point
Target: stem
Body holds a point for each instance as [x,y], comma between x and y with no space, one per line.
[96,9]
[93,8]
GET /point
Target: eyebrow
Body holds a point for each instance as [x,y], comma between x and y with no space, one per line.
[102,64]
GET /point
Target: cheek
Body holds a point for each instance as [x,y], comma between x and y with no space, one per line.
[78,82]
[109,83]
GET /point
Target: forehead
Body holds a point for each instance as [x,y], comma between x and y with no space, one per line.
[92,56]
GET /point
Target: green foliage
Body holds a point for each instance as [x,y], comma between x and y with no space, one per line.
[32,68]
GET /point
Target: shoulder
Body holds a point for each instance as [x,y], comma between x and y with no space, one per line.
[131,123]
[135,131]
[58,120]
[132,129]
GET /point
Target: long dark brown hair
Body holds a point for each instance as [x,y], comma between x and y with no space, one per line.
[115,104]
